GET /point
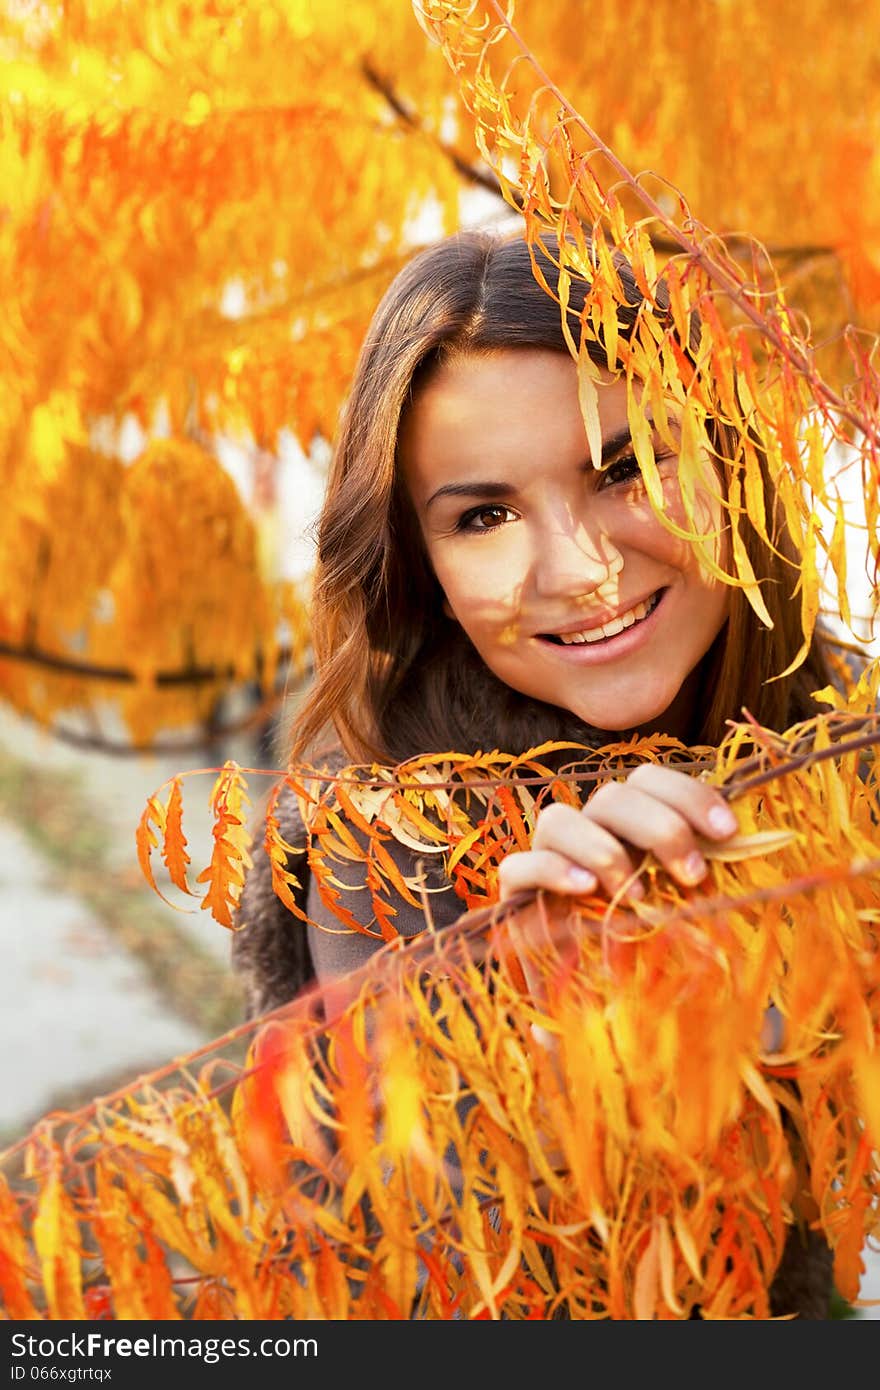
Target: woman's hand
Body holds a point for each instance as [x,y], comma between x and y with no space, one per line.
[598,847]
[656,809]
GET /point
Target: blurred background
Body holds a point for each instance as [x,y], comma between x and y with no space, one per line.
[200,205]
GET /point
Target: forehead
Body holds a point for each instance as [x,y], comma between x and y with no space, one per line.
[498,408]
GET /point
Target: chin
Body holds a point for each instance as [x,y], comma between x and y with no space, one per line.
[644,719]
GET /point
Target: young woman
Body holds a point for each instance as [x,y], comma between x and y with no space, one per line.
[480,584]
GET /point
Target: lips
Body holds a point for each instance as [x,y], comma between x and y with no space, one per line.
[594,633]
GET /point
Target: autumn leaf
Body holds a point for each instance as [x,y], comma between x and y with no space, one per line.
[57,1239]
[153,815]
[230,857]
[174,847]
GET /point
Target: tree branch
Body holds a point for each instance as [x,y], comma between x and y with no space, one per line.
[480,177]
[209,735]
[121,675]
[736,243]
[688,240]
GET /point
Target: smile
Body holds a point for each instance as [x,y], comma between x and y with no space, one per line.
[616,638]
[611,628]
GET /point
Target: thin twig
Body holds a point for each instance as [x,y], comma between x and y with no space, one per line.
[837,750]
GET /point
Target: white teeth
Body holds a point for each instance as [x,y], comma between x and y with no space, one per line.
[611,628]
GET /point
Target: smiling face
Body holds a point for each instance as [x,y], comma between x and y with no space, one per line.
[562,577]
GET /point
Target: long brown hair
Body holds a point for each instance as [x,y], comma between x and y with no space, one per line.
[394,676]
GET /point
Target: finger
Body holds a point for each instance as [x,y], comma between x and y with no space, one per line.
[702,805]
[528,934]
[543,868]
[566,831]
[651,824]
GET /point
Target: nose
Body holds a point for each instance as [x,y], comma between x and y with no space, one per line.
[571,561]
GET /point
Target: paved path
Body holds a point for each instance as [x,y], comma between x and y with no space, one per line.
[78,1012]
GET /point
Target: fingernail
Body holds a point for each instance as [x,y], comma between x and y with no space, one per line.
[582,880]
[722,820]
[636,889]
[693,867]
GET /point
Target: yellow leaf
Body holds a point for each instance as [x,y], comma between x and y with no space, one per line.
[742,847]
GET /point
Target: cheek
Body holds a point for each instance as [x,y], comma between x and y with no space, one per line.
[481,588]
[709,513]
[647,533]
[638,532]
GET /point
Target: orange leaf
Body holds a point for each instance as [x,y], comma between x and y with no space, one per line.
[16,1298]
[145,837]
[174,845]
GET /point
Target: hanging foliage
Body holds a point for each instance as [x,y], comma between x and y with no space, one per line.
[716,350]
[202,204]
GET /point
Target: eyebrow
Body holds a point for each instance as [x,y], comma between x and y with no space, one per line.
[610,446]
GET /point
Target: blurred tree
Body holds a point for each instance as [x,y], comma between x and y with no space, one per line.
[203,201]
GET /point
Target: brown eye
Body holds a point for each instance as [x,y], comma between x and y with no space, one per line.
[624,470]
[484,518]
[492,516]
